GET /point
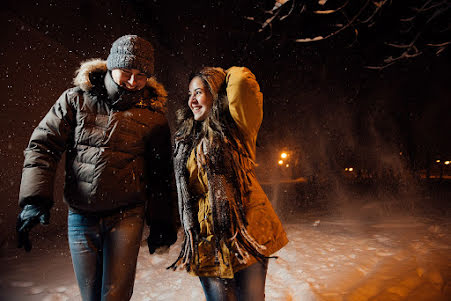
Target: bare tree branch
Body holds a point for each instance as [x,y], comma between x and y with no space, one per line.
[290,12]
[331,11]
[319,38]
[439,45]
[378,5]
[409,42]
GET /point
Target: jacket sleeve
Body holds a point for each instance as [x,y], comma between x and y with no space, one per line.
[245,100]
[162,205]
[47,144]
[245,104]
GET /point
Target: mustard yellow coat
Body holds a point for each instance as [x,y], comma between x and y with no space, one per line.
[246,108]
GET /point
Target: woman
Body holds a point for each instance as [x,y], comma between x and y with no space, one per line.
[230,227]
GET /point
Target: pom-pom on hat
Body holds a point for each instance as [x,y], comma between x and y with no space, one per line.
[131,52]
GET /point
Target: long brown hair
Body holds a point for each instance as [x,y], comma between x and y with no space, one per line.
[218,119]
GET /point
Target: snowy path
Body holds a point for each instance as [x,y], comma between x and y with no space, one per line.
[326,259]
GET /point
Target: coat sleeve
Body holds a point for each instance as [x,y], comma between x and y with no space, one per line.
[47,144]
[245,104]
[245,100]
[162,204]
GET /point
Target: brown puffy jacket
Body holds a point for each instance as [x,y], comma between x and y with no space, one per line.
[117,146]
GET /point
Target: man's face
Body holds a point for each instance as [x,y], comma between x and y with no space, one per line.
[130,79]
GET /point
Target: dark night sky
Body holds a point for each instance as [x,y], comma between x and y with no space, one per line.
[318,97]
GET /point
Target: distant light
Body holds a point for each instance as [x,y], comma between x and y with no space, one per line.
[288,165]
[346,169]
[280,162]
[400,153]
[351,169]
[438,161]
[283,155]
[446,162]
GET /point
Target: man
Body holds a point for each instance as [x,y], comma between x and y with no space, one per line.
[118,157]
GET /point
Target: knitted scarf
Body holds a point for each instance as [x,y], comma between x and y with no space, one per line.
[227,165]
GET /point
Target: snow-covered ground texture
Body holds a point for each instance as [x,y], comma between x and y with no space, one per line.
[328,258]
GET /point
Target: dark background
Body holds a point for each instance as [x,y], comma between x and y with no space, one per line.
[319,99]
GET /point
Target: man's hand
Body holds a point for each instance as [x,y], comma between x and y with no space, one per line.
[161,236]
[30,216]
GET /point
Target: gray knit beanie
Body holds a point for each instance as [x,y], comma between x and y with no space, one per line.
[131,52]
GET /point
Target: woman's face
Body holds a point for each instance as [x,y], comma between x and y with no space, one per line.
[200,99]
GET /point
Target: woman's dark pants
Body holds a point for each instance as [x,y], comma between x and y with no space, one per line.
[247,285]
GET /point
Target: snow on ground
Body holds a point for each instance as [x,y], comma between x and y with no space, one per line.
[328,258]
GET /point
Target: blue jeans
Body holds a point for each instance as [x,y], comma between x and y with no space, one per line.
[104,251]
[247,285]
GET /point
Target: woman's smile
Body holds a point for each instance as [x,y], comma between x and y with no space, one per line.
[200,99]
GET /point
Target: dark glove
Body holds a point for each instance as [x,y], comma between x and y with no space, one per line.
[161,236]
[30,216]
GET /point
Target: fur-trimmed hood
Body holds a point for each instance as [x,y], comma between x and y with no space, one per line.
[82,79]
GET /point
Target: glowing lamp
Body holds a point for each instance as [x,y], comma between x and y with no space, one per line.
[283,155]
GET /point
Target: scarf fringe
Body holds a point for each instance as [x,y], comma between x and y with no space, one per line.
[189,250]
[241,244]
[228,182]
[238,245]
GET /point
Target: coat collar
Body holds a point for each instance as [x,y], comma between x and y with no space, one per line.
[155,96]
[121,98]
